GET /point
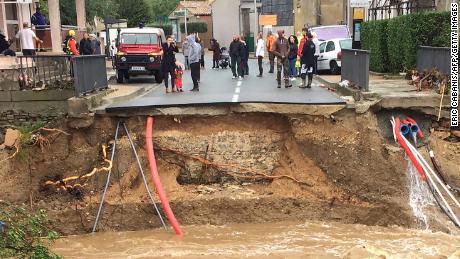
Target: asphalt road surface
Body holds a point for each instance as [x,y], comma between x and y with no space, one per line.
[218,87]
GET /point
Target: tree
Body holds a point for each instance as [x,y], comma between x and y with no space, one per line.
[24,234]
[134,11]
[162,8]
[99,8]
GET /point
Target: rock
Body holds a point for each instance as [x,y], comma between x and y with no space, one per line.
[81,123]
[456,133]
[362,252]
[455,255]
[11,137]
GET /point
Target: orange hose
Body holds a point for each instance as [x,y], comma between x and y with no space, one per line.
[156,178]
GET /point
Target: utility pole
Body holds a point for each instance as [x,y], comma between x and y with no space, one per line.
[256,24]
[185,22]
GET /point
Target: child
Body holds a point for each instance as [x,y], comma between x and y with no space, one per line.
[179,72]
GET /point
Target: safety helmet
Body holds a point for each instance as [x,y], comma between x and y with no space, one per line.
[71,33]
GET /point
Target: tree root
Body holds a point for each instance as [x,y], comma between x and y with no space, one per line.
[225,168]
[64,183]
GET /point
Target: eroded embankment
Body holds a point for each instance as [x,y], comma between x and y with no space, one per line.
[220,170]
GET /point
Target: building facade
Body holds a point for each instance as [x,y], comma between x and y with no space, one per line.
[12,15]
[319,12]
[235,17]
[197,11]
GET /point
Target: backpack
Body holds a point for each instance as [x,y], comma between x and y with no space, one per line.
[65,47]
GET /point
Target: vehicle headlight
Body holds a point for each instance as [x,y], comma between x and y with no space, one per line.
[123,59]
[152,59]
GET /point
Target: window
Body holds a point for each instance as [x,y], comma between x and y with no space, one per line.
[330,46]
[139,38]
[322,46]
[345,44]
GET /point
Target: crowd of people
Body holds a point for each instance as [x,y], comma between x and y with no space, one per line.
[294,57]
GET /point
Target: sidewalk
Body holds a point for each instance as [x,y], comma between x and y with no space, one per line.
[392,93]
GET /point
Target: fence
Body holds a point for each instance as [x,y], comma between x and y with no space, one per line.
[355,67]
[433,58]
[90,73]
[82,73]
[52,72]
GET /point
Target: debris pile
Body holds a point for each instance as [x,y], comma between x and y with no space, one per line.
[430,80]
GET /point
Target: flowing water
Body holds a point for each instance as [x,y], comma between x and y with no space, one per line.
[269,240]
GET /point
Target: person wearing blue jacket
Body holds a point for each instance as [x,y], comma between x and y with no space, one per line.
[194,60]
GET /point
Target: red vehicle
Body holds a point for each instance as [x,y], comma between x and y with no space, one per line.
[139,52]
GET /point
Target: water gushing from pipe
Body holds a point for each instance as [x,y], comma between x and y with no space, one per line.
[420,197]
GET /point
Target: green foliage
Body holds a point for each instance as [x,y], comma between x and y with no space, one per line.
[167,28]
[135,11]
[375,39]
[99,8]
[162,8]
[25,234]
[192,27]
[403,36]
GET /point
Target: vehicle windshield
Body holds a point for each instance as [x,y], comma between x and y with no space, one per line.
[328,33]
[345,44]
[139,38]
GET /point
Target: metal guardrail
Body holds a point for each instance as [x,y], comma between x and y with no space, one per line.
[433,58]
[355,67]
[82,73]
[45,71]
[90,73]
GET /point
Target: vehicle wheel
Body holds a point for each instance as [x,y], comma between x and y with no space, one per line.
[335,69]
[158,77]
[120,76]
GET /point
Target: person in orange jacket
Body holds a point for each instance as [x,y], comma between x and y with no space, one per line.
[71,44]
[270,44]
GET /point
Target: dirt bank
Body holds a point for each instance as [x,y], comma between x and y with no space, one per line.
[212,167]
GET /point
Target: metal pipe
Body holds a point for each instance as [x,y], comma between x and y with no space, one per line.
[108,179]
[143,176]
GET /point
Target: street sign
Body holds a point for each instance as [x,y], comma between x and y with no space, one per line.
[358,13]
[360,3]
[180,13]
[268,20]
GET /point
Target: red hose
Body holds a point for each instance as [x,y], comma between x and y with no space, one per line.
[156,178]
[408,151]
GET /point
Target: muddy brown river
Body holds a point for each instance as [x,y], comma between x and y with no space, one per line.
[271,240]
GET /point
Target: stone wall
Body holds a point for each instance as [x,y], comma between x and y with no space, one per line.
[12,117]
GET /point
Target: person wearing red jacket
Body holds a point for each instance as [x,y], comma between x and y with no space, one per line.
[71,44]
[302,41]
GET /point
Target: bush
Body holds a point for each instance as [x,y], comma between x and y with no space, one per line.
[200,27]
[167,28]
[24,234]
[398,52]
[375,39]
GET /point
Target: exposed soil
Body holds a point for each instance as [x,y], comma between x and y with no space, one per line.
[350,172]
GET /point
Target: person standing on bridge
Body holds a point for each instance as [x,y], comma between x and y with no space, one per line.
[168,62]
[244,57]
[185,51]
[235,56]
[271,39]
[194,59]
[281,51]
[215,48]
[260,52]
[308,61]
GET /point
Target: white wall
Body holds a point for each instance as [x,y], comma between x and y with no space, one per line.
[226,20]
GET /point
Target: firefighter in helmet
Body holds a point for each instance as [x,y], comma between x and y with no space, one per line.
[70,44]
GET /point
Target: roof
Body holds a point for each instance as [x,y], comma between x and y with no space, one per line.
[145,30]
[197,7]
